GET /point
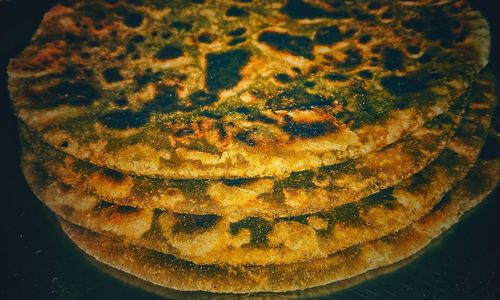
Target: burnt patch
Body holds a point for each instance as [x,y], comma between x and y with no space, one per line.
[169,52]
[283,78]
[261,118]
[148,77]
[362,15]
[166,100]
[345,214]
[414,24]
[350,32]
[298,9]
[294,44]
[365,74]
[96,14]
[131,47]
[238,181]
[166,35]
[112,75]
[205,38]
[221,130]
[402,85]
[237,32]
[223,69]
[328,35]
[364,109]
[202,98]
[113,174]
[243,110]
[192,223]
[211,114]
[85,55]
[310,84]
[392,59]
[365,38]
[72,93]
[138,38]
[246,137]
[184,132]
[336,77]
[297,98]
[180,25]
[259,229]
[445,200]
[125,210]
[387,15]
[374,5]
[425,58]
[73,38]
[104,205]
[236,41]
[383,198]
[131,18]
[124,119]
[413,49]
[353,59]
[435,24]
[308,130]
[235,11]
[120,102]
[296,180]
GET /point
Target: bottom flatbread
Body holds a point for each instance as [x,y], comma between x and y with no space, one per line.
[310,293]
[166,270]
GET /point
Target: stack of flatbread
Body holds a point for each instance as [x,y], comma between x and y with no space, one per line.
[246,146]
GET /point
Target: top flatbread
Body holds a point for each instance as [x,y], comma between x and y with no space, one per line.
[221,89]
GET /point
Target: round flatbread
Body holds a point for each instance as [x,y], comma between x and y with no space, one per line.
[213,239]
[167,271]
[221,89]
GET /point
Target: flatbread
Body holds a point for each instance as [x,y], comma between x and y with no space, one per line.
[269,197]
[310,293]
[222,89]
[213,239]
[167,271]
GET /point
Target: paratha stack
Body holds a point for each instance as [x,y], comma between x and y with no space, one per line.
[246,146]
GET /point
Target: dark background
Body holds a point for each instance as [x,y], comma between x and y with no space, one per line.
[38,262]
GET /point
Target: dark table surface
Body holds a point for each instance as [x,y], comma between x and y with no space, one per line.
[38,262]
